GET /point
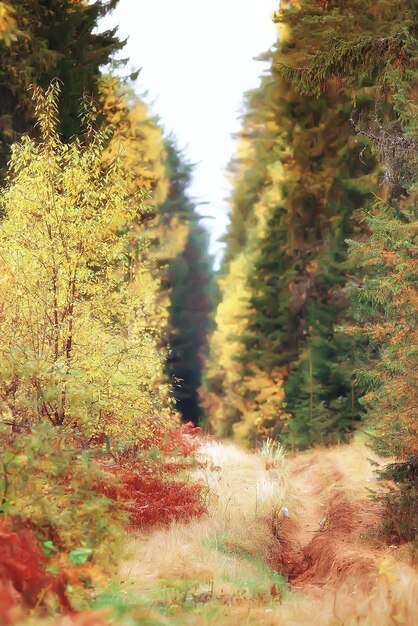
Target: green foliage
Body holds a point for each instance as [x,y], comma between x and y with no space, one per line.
[361,42]
[386,312]
[79,556]
[188,277]
[50,39]
[400,502]
[385,50]
[298,182]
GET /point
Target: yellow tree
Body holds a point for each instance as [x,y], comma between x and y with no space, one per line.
[137,135]
[8,26]
[157,237]
[74,347]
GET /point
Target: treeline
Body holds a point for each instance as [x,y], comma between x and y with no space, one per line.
[62,40]
[316,327]
[104,301]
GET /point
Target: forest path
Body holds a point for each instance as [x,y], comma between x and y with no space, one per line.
[332,514]
[339,570]
[308,517]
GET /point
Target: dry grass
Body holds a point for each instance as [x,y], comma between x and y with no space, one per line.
[228,547]
[215,570]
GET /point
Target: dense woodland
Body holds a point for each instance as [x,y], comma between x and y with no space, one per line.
[120,344]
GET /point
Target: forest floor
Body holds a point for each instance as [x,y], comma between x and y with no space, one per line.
[287,540]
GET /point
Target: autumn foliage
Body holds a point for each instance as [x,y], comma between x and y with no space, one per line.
[76,344]
[24,579]
[64,510]
[153,497]
[88,443]
[155,486]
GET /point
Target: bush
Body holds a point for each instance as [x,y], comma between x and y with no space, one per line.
[48,485]
[401,502]
[63,508]
[24,576]
[153,484]
[152,498]
[76,343]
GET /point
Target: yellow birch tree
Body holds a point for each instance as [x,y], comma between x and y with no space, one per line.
[74,348]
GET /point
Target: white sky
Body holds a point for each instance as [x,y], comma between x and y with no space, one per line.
[197,61]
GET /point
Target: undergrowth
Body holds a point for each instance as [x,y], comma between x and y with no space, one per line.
[153,483]
[65,507]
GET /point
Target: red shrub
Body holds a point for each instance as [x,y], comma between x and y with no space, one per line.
[180,441]
[155,499]
[23,575]
[10,603]
[147,485]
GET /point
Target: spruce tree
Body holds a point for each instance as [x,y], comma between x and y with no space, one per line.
[51,39]
[299,181]
[188,279]
[385,301]
[168,243]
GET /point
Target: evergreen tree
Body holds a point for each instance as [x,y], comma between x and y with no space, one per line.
[298,186]
[386,299]
[168,242]
[189,282]
[51,39]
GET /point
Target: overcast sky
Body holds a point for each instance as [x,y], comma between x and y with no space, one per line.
[197,60]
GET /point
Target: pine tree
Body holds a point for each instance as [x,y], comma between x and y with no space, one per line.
[168,240]
[386,299]
[189,284]
[51,39]
[221,396]
[299,181]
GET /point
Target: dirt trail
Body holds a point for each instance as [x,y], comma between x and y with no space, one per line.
[331,551]
[327,541]
[308,517]
[306,484]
